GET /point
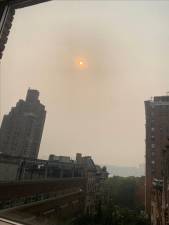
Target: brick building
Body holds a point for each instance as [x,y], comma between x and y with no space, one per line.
[21,130]
[157,131]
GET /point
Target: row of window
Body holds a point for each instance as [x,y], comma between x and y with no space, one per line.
[166,129]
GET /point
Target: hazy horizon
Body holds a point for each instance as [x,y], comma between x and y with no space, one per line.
[96,108]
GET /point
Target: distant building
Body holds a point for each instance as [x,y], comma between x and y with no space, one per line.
[21,130]
[157,131]
[93,176]
[126,171]
[65,159]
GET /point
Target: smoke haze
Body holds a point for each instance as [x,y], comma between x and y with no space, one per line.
[97,110]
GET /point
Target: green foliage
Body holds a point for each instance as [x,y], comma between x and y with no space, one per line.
[114,215]
[118,204]
[122,191]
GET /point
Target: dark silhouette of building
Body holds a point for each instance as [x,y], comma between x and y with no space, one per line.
[157,131]
[21,130]
[69,187]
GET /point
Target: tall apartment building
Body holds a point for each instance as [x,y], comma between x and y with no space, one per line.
[157,132]
[21,130]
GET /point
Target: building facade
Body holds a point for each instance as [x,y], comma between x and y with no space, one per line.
[21,130]
[157,131]
[80,175]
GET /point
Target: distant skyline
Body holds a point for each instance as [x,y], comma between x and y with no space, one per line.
[94,63]
[126,171]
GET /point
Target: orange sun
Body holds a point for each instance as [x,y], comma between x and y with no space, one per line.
[81,63]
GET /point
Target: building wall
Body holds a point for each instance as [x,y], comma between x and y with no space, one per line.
[21,130]
[157,131]
[8,171]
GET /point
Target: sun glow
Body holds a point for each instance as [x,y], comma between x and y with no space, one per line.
[81,63]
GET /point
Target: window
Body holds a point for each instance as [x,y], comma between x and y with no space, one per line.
[152,145]
[152,138]
[153,153]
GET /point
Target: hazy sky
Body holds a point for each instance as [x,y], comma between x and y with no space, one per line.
[97,110]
